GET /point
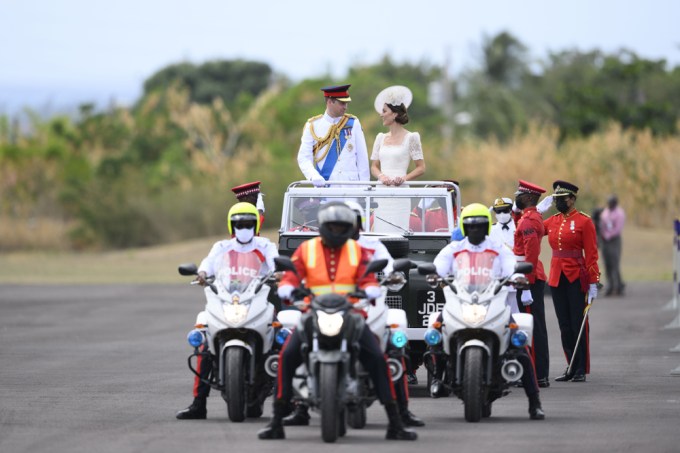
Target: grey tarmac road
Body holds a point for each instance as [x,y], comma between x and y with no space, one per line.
[103,369]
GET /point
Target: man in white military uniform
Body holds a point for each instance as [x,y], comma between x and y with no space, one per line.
[503,232]
[333,147]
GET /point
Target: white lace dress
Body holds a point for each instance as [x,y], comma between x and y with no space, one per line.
[393,214]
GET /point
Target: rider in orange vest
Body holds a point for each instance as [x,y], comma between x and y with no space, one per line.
[334,263]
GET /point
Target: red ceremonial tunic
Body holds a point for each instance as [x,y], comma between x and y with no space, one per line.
[528,236]
[571,236]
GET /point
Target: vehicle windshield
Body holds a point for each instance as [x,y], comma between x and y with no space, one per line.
[394,214]
[475,270]
[235,271]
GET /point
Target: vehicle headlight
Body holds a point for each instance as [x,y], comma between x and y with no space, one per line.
[195,338]
[519,338]
[474,313]
[396,281]
[235,313]
[399,339]
[282,335]
[329,325]
[433,337]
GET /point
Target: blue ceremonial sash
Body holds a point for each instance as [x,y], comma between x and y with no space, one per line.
[334,151]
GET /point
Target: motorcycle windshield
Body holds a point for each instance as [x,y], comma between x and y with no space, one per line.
[236,272]
[475,270]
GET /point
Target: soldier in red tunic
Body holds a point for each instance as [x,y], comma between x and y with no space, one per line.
[527,247]
[574,274]
[250,193]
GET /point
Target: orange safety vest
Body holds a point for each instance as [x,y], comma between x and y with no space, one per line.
[317,277]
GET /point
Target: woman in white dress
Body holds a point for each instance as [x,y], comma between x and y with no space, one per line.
[393,153]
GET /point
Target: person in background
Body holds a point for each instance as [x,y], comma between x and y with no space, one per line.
[527,247]
[333,147]
[503,232]
[611,223]
[251,193]
[574,275]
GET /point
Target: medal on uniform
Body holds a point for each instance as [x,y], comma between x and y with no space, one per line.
[350,147]
[572,226]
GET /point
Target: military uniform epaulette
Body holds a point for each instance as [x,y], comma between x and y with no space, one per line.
[581,212]
[349,115]
[314,118]
[434,209]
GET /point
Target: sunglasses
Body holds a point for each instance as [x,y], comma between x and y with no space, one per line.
[501,210]
[244,224]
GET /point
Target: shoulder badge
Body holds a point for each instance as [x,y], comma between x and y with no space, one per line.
[314,118]
[349,115]
[583,213]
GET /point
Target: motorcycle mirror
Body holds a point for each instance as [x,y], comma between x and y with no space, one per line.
[524,267]
[375,266]
[403,264]
[284,263]
[187,269]
[426,269]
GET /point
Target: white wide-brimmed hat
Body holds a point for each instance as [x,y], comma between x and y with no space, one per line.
[394,95]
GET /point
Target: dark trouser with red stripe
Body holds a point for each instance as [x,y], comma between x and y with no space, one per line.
[569,302]
[528,375]
[370,356]
[204,367]
[539,350]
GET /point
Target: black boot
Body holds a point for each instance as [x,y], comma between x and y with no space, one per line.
[196,411]
[274,430]
[565,377]
[535,409]
[395,429]
[407,417]
[299,417]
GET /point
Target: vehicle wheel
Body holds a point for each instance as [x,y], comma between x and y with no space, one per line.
[397,246]
[330,412]
[356,417]
[235,384]
[472,384]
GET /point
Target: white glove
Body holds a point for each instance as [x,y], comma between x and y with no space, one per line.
[545,204]
[285,291]
[515,209]
[592,292]
[259,204]
[318,181]
[373,292]
[526,297]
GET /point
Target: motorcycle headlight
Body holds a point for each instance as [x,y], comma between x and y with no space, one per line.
[519,339]
[433,337]
[329,325]
[399,339]
[282,335]
[474,313]
[235,313]
[195,338]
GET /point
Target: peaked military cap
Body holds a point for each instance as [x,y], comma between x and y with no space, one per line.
[339,92]
[564,188]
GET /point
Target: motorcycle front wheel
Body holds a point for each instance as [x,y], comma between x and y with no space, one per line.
[472,384]
[235,384]
[330,410]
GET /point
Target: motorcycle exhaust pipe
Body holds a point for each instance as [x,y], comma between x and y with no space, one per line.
[512,370]
[271,365]
[396,369]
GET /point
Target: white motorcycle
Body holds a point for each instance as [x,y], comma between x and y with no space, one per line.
[476,335]
[241,332]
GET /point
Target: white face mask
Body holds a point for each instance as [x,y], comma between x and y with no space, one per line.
[244,235]
[503,217]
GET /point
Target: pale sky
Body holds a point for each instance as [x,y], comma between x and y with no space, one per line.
[56,53]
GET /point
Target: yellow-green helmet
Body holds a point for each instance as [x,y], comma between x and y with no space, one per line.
[475,213]
[243,211]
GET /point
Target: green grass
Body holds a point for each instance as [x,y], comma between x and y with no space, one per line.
[647,256]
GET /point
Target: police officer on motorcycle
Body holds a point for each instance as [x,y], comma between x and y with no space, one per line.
[334,247]
[243,225]
[476,227]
